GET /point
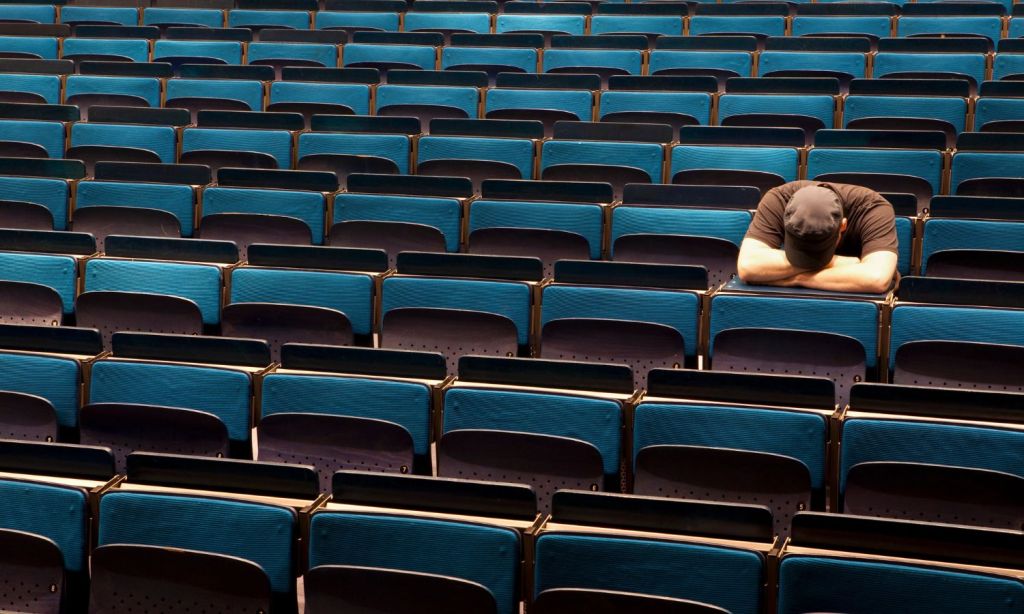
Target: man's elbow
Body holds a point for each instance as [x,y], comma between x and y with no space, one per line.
[878,283]
[745,272]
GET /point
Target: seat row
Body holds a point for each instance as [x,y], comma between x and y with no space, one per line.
[645,316]
[670,19]
[743,55]
[222,534]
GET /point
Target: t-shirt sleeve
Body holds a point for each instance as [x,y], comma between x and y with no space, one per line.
[767,225]
[878,232]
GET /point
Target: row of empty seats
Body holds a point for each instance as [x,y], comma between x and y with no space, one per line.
[225,535]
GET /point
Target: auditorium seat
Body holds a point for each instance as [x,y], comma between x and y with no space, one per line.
[387,138]
[779,102]
[439,95]
[309,417]
[492,53]
[306,206]
[872,102]
[986,154]
[424,21]
[719,56]
[357,20]
[108,141]
[48,362]
[757,331]
[47,134]
[966,235]
[532,431]
[132,405]
[875,152]
[389,56]
[198,51]
[479,149]
[182,92]
[348,98]
[396,223]
[1009,60]
[939,57]
[737,437]
[133,49]
[29,46]
[692,225]
[124,16]
[636,550]
[46,87]
[195,142]
[468,551]
[733,155]
[44,258]
[290,294]
[677,101]
[842,564]
[645,316]
[843,18]
[198,537]
[48,190]
[258,19]
[934,320]
[459,304]
[86,91]
[601,55]
[189,17]
[563,97]
[126,291]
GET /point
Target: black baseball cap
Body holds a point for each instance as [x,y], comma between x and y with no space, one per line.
[812,219]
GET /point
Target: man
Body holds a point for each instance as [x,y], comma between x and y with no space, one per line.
[826,236]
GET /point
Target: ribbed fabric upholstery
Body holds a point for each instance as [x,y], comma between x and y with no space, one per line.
[420,55]
[474,22]
[822,107]
[579,102]
[940,234]
[51,193]
[40,13]
[779,160]
[648,157]
[47,86]
[405,403]
[260,533]
[769,25]
[249,92]
[993,109]
[696,104]
[905,236]
[771,61]
[126,16]
[857,319]
[1016,28]
[919,323]
[229,51]
[381,21]
[483,554]
[510,56]
[518,152]
[629,60]
[648,24]
[510,299]
[44,47]
[57,512]
[1010,63]
[596,421]
[198,282]
[866,440]
[988,25]
[394,147]
[812,24]
[348,293]
[222,392]
[952,110]
[720,223]
[175,199]
[277,143]
[306,206]
[326,55]
[53,378]
[737,61]
[799,435]
[725,577]
[48,134]
[158,139]
[971,165]
[445,214]
[240,18]
[582,219]
[136,49]
[211,18]
[678,310]
[143,87]
[924,164]
[57,272]
[820,584]
[352,95]
[569,24]
[971,64]
[465,98]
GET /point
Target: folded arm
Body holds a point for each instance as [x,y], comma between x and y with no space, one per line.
[760,264]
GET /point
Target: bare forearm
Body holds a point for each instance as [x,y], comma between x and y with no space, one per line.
[766,266]
[852,278]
